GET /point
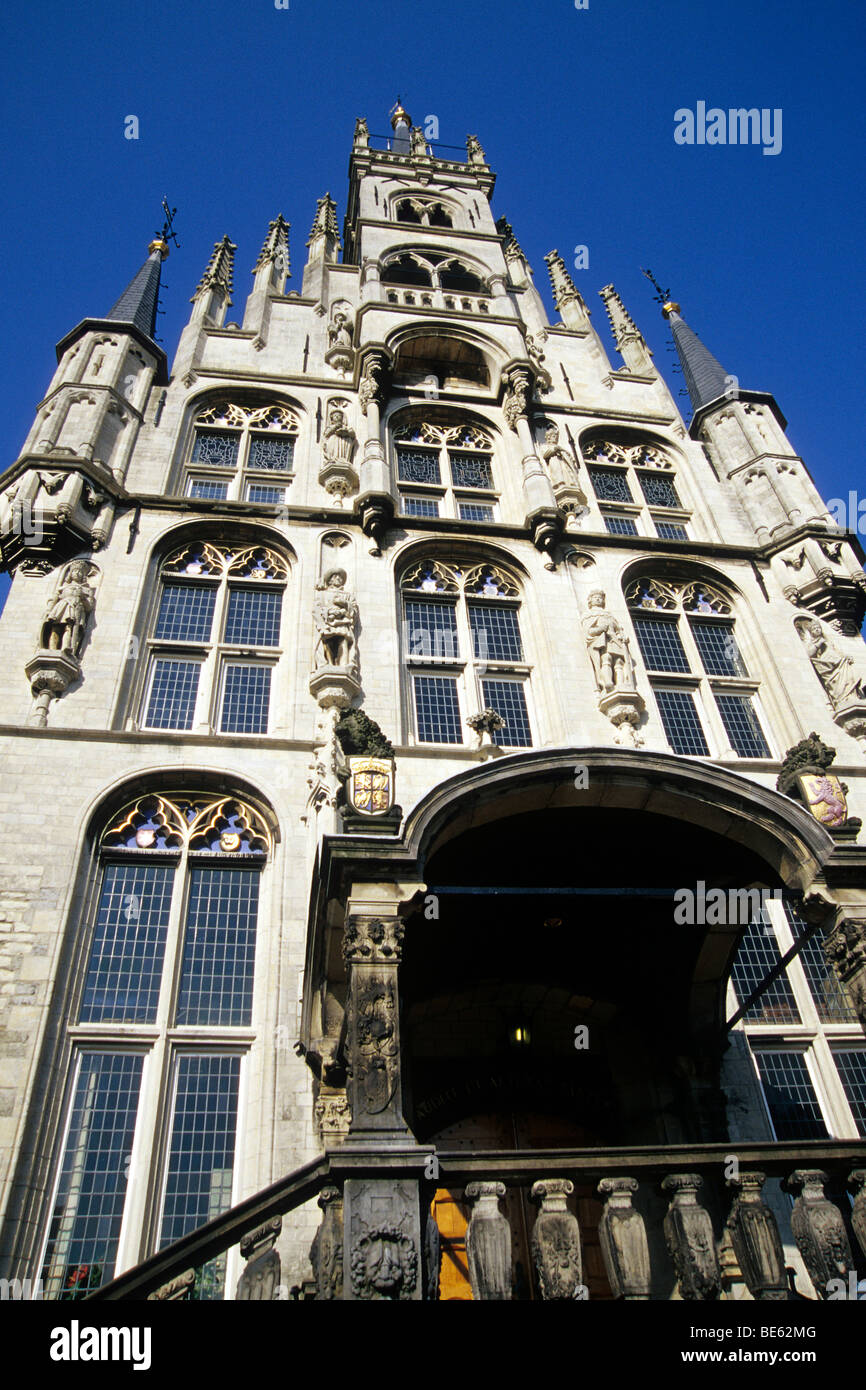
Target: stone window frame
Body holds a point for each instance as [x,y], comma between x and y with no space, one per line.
[163,1041]
[432,262]
[665,598]
[244,420]
[460,581]
[632,456]
[215,653]
[813,1036]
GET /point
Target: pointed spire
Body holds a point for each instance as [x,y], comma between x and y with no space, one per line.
[705,377]
[137,305]
[511,247]
[629,340]
[219,271]
[564,289]
[325,221]
[275,250]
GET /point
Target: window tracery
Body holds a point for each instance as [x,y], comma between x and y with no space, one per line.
[635,484]
[449,468]
[242,451]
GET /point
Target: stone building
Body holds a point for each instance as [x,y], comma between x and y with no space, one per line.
[427,749]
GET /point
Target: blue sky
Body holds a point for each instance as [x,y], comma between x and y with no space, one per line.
[246,110]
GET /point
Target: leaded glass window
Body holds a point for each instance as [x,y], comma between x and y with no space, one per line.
[509,700]
[246,699]
[620,464]
[245,438]
[619,525]
[173,691]
[718,648]
[610,484]
[832,1002]
[431,629]
[450,457]
[437,709]
[681,722]
[671,531]
[253,617]
[495,633]
[474,511]
[418,466]
[660,644]
[741,723]
[219,946]
[790,1096]
[185,613]
[658,490]
[851,1063]
[757,955]
[126,958]
[420,506]
[470,470]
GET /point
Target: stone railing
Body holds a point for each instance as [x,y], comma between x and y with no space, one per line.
[683,1221]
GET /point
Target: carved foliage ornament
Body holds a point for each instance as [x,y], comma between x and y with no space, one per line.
[229,414]
[480,581]
[638,455]
[660,595]
[460,436]
[211,561]
[384,1263]
[223,825]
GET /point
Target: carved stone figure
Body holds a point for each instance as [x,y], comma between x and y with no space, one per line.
[516,401]
[68,611]
[608,647]
[340,331]
[561,467]
[338,443]
[336,614]
[384,1264]
[834,669]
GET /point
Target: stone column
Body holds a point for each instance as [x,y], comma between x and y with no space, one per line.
[690,1240]
[488,1243]
[756,1241]
[542,514]
[556,1241]
[376,498]
[819,1230]
[371,949]
[845,948]
[261,1276]
[623,1241]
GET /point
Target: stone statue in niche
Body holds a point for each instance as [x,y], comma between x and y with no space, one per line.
[68,611]
[340,331]
[561,467]
[335,614]
[608,646]
[834,669]
[338,444]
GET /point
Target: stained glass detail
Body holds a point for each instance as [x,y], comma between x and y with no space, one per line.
[658,490]
[418,465]
[272,452]
[219,448]
[88,1208]
[470,470]
[610,484]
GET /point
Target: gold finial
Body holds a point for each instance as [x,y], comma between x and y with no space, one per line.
[398,114]
[158,244]
[670,307]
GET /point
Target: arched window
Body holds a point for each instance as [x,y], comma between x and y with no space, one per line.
[445,468]
[448,363]
[685,631]
[242,452]
[436,270]
[158,1038]
[636,487]
[422,212]
[464,651]
[215,639]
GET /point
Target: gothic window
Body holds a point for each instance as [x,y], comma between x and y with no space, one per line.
[436,270]
[705,695]
[803,1029]
[422,212]
[445,469]
[215,639]
[464,651]
[635,488]
[241,452]
[156,1050]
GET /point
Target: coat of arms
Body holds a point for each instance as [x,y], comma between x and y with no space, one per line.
[371,785]
[824,794]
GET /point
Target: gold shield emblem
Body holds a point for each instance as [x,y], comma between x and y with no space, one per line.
[230,841]
[823,794]
[371,785]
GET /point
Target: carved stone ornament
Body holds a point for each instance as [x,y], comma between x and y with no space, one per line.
[333,1115]
[384,1264]
[486,725]
[432,1259]
[857,1182]
[819,1230]
[556,1241]
[370,786]
[622,1234]
[373,940]
[824,795]
[176,1290]
[806,776]
[326,1252]
[372,386]
[845,949]
[518,393]
[488,1243]
[608,647]
[756,1240]
[337,474]
[340,352]
[834,669]
[261,1277]
[335,680]
[689,1235]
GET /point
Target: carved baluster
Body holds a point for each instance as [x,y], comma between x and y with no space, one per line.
[623,1240]
[488,1243]
[819,1230]
[556,1240]
[432,1259]
[756,1240]
[857,1180]
[261,1275]
[176,1290]
[689,1235]
[326,1252]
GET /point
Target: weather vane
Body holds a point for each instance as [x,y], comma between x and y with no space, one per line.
[168,233]
[661,296]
